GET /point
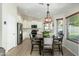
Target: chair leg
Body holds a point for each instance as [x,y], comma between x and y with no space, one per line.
[53,50]
[39,49]
[42,52]
[59,47]
[31,49]
[61,50]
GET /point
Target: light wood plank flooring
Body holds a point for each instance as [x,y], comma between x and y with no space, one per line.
[24,50]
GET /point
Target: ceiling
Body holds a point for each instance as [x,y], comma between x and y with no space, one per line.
[38,10]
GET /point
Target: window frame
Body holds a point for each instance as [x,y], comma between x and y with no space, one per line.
[77,13]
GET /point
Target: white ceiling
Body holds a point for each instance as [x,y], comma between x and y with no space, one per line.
[39,10]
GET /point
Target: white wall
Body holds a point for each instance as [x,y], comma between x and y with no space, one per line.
[0,24]
[9,30]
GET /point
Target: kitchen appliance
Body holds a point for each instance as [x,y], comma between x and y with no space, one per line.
[19,33]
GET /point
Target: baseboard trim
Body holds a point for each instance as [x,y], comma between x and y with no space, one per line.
[71,51]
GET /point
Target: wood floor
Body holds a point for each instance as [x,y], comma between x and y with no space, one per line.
[25,48]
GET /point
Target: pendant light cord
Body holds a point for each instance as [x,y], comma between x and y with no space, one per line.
[47,10]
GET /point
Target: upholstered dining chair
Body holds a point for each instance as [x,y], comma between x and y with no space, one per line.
[57,41]
[34,42]
[46,47]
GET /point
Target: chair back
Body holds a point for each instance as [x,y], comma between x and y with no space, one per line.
[58,38]
[31,37]
[34,33]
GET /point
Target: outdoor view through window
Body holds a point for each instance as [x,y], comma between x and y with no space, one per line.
[73,28]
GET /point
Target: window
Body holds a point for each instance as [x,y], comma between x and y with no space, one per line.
[60,24]
[48,27]
[73,28]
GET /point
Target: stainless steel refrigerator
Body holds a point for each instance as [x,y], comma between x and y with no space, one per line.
[19,33]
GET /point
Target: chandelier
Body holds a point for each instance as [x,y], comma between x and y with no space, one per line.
[48,18]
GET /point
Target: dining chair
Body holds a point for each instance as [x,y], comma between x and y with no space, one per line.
[57,43]
[46,48]
[34,42]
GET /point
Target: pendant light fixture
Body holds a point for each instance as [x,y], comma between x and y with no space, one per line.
[48,18]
